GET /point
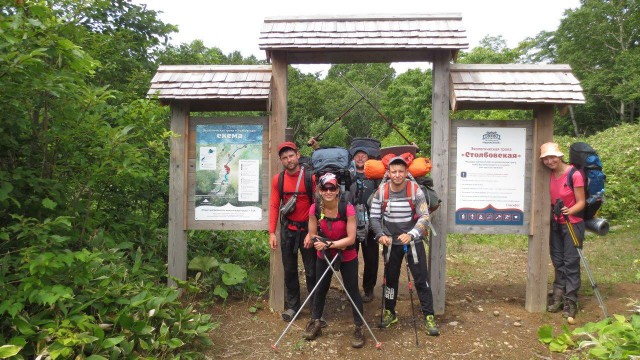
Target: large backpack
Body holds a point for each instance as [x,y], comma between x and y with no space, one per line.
[335,160]
[433,200]
[369,145]
[585,159]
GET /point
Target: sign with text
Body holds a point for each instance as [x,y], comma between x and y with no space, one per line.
[490,176]
[228,168]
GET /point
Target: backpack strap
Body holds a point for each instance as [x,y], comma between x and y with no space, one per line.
[570,183]
[308,184]
[342,216]
[281,185]
[411,189]
[570,177]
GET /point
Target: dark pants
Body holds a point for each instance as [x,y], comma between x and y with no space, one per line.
[291,241]
[370,255]
[419,272]
[349,273]
[565,258]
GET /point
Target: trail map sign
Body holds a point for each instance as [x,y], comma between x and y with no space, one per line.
[228,163]
[490,176]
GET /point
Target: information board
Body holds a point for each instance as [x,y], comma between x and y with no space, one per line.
[490,176]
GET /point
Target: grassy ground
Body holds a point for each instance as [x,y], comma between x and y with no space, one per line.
[613,258]
[485,314]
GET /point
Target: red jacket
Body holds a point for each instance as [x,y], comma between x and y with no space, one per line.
[303,203]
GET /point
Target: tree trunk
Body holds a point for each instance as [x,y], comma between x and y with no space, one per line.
[621,111]
[573,121]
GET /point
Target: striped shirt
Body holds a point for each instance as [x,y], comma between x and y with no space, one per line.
[398,218]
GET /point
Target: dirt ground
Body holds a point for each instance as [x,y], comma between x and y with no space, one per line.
[484,318]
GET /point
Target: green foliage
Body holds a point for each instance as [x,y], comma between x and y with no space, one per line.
[109,306]
[600,41]
[407,102]
[492,50]
[314,103]
[121,34]
[196,53]
[616,337]
[618,148]
[235,262]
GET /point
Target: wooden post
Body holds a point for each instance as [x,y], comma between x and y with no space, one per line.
[440,137]
[536,293]
[177,252]
[277,125]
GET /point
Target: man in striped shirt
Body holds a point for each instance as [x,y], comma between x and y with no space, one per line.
[400,219]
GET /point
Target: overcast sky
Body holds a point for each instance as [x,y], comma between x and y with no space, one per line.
[235,25]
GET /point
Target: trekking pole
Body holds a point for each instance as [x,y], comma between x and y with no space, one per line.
[413,312]
[362,97]
[576,243]
[274,346]
[378,111]
[384,288]
[378,344]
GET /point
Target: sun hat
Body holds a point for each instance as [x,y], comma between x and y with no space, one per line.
[550,149]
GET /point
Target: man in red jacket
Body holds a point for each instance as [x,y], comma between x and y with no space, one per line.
[294,224]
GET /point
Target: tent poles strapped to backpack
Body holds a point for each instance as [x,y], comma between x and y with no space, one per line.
[362,97]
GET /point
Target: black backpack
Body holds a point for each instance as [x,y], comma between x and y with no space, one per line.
[585,159]
[369,145]
[426,184]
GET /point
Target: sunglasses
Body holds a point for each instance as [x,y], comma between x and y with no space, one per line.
[330,188]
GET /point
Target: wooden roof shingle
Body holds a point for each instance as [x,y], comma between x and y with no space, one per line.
[236,87]
[363,33]
[512,86]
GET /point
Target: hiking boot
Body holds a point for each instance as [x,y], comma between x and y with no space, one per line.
[557,301]
[570,308]
[430,326]
[358,337]
[313,330]
[323,323]
[388,319]
[368,296]
[288,315]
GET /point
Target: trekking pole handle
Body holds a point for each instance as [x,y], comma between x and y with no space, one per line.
[557,209]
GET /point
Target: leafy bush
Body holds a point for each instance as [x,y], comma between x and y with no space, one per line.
[224,261]
[620,153]
[67,304]
[616,337]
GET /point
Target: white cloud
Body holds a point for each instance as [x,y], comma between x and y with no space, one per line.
[235,25]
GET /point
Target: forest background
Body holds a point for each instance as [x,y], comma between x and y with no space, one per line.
[84,162]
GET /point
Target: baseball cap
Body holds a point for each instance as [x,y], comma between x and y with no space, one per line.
[287,145]
[328,179]
[398,159]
